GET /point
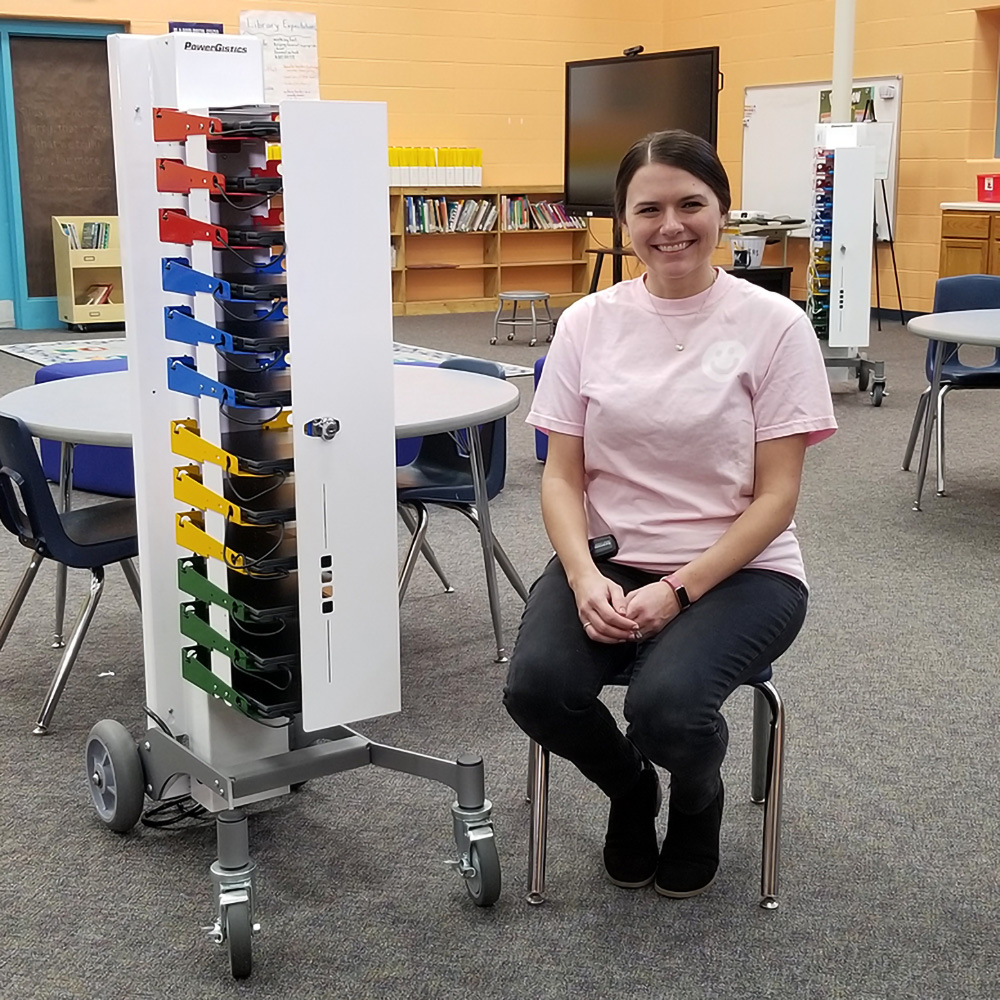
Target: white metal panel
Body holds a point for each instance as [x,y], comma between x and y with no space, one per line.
[851,246]
[194,71]
[335,170]
[217,733]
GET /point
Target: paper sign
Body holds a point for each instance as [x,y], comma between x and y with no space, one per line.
[291,54]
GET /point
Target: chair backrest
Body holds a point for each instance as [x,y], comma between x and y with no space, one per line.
[452,451]
[26,505]
[962,291]
[492,436]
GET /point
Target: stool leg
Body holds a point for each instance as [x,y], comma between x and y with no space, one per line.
[771,851]
[513,321]
[761,744]
[496,322]
[534,325]
[539,824]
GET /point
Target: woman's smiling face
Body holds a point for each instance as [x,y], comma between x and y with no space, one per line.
[674,221]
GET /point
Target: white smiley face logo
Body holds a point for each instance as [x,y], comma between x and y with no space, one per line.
[722,360]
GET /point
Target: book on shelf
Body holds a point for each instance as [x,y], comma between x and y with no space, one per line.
[480,217]
[465,216]
[519,213]
[96,295]
[69,229]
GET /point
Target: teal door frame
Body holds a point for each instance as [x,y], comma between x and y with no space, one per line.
[39,312]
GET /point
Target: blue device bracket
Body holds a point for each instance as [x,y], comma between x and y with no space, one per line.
[179,276]
[181,378]
[181,326]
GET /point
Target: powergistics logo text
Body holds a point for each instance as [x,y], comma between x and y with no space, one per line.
[217,47]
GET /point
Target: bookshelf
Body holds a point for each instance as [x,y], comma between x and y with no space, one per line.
[80,268]
[439,272]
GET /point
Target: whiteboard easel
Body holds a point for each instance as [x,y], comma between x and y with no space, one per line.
[779,136]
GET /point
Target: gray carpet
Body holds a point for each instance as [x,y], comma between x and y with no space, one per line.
[889,881]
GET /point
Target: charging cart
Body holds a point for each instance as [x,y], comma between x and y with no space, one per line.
[265,469]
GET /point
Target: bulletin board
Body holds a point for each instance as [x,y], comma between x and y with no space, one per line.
[779,128]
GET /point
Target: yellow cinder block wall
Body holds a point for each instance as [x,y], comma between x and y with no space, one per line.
[452,72]
[461,72]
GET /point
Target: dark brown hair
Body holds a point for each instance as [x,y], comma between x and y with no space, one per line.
[675,148]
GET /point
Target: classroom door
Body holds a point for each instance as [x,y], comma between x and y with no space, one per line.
[57,156]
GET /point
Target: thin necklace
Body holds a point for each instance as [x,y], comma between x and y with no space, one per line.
[679,346]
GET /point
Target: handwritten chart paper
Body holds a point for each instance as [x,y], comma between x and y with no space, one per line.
[291,55]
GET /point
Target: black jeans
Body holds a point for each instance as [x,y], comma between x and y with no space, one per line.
[677,680]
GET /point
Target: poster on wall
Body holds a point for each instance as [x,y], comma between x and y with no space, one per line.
[291,54]
[196,27]
[861,100]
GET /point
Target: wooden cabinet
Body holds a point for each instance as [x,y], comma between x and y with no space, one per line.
[970,242]
[464,271]
[81,267]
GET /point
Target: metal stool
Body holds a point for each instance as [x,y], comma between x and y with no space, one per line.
[512,320]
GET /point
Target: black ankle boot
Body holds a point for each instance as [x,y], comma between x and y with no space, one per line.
[630,853]
[690,855]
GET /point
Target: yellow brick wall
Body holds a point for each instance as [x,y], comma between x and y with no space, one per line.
[452,72]
[461,72]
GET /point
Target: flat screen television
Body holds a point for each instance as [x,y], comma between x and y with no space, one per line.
[612,102]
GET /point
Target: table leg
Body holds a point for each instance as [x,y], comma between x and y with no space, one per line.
[930,415]
[486,537]
[65,502]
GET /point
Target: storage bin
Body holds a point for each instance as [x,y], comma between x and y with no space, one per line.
[988,187]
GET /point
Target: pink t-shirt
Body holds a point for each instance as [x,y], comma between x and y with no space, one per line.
[668,434]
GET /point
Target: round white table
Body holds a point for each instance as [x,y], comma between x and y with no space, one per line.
[977,327]
[94,409]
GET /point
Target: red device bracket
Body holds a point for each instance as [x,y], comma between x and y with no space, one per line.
[177,227]
[170,125]
[177,177]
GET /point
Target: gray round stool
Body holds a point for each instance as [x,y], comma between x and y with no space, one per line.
[514,321]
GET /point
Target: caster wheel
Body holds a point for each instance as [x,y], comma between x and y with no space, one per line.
[114,776]
[532,342]
[862,379]
[484,885]
[878,391]
[493,340]
[510,336]
[239,934]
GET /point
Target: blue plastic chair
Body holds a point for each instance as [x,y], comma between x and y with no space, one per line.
[766,774]
[97,468]
[87,538]
[441,475]
[964,291]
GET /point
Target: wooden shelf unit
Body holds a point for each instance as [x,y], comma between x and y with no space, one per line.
[76,270]
[464,272]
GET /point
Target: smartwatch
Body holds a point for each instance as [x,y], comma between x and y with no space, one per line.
[680,591]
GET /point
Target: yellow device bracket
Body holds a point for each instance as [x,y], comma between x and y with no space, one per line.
[186,441]
[191,535]
[189,489]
